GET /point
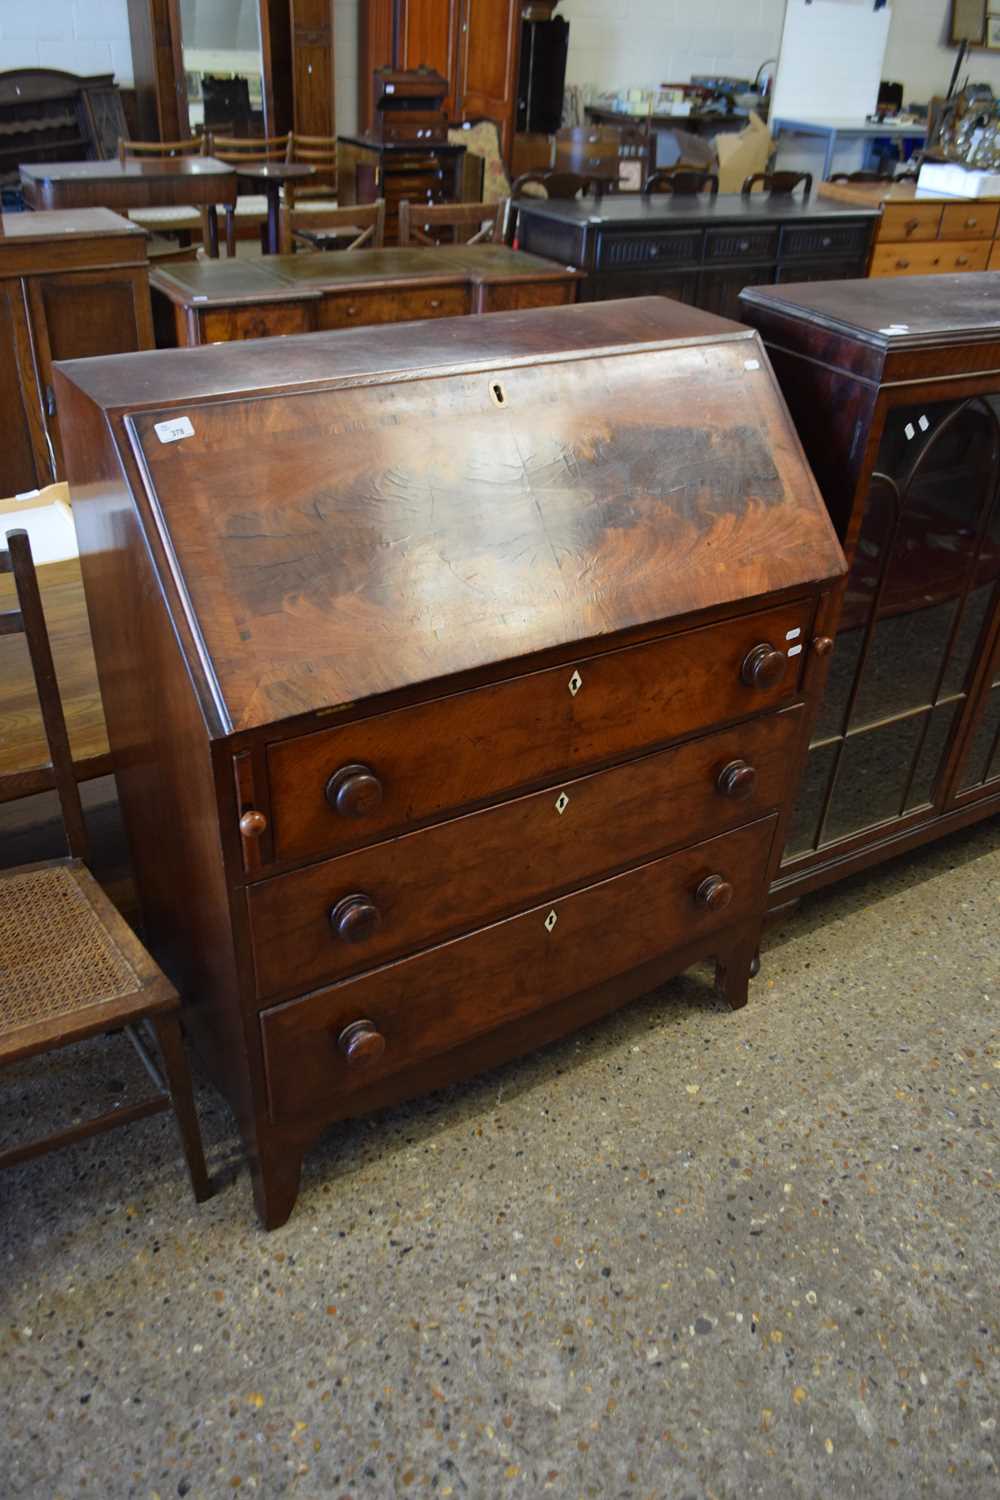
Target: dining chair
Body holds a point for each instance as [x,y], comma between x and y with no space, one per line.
[181,220]
[681,181]
[460,223]
[782,184]
[250,209]
[362,225]
[545,183]
[70,966]
[305,205]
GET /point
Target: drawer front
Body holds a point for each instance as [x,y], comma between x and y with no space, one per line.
[226,324]
[353,309]
[427,1004]
[667,248]
[736,244]
[525,294]
[408,892]
[968,221]
[828,239]
[926,260]
[994,264]
[820,270]
[545,726]
[910,221]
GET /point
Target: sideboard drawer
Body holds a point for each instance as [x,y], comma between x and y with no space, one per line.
[741,244]
[320,923]
[925,260]
[824,239]
[467,748]
[670,247]
[350,309]
[910,221]
[425,1005]
[968,221]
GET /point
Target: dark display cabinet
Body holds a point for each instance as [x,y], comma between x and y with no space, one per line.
[895,388]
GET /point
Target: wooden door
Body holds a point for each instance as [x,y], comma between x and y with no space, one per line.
[376,25]
[24,461]
[428,36]
[312,66]
[80,314]
[158,69]
[487,76]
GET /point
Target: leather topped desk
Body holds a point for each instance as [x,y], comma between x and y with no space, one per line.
[134,183]
[211,302]
[700,249]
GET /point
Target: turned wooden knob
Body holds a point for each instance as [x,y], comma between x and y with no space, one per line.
[361,1043]
[763,667]
[252,824]
[822,645]
[354,791]
[355,918]
[738,779]
[714,893]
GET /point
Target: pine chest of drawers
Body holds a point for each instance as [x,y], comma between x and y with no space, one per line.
[457,679]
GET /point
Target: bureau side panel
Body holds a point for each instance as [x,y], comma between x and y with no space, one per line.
[159,741]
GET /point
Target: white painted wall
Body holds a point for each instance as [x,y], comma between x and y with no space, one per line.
[918,54]
[78,36]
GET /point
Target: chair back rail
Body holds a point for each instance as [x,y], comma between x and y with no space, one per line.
[483,220]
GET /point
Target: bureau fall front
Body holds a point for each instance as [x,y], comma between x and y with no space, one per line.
[457,678]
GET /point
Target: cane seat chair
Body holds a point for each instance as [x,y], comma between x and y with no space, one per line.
[250,209]
[70,966]
[182,220]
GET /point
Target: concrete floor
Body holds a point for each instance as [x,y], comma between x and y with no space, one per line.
[685,1254]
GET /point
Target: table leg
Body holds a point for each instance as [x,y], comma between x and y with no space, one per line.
[273,217]
[212,219]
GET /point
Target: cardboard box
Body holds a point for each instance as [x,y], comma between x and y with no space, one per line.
[743,152]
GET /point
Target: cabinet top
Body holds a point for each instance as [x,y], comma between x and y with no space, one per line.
[543,479]
[633,211]
[63,224]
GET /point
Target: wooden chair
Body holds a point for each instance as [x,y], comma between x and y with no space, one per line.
[70,966]
[362,224]
[680,181]
[780,183]
[250,209]
[182,220]
[468,223]
[548,184]
[306,205]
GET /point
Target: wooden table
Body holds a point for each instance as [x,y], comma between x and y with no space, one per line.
[921,235]
[134,183]
[698,249]
[273,174]
[205,303]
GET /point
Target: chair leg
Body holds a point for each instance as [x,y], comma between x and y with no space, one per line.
[230,231]
[177,1073]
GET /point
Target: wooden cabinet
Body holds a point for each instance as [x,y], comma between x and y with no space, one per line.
[71,285]
[435,737]
[473,43]
[920,238]
[894,389]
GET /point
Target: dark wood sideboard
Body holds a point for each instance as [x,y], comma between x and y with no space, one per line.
[71,285]
[428,747]
[698,248]
[895,388]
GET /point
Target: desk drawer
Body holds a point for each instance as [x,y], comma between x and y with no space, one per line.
[741,244]
[925,260]
[994,262]
[354,309]
[471,747]
[266,320]
[408,892]
[968,221]
[427,1004]
[673,247]
[910,221]
[523,294]
[824,239]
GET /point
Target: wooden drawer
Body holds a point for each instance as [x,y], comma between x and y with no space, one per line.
[353,309]
[968,221]
[468,748]
[741,244]
[524,294]
[994,263]
[427,1004]
[265,320]
[925,260]
[910,221]
[823,239]
[443,880]
[673,247]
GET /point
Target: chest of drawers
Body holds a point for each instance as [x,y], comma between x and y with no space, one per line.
[457,680]
[922,236]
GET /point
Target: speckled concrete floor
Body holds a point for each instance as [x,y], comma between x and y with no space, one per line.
[686,1254]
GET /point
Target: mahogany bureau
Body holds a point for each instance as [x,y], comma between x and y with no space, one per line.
[457,676]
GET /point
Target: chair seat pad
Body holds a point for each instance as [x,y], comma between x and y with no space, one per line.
[314,206]
[180,216]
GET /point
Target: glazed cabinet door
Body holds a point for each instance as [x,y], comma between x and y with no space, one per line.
[24,454]
[917,619]
[84,313]
[488,41]
[978,770]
